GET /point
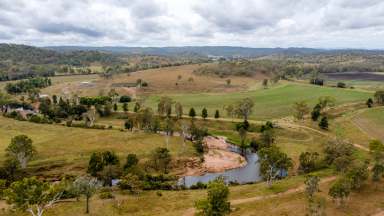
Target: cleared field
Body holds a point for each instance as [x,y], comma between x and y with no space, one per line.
[70,148]
[275,102]
[371,122]
[161,80]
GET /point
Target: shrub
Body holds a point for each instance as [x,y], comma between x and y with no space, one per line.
[341,85]
[125,99]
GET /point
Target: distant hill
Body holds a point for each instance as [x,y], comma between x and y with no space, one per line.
[218,51]
[23,54]
[27,54]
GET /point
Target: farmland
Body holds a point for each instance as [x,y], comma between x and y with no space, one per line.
[271,103]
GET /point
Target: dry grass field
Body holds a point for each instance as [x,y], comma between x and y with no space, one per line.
[161,80]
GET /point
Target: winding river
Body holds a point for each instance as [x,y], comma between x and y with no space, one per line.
[248,174]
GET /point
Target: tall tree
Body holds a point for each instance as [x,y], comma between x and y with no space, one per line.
[192,113]
[161,159]
[86,186]
[21,149]
[301,109]
[244,108]
[179,110]
[216,203]
[204,113]
[32,195]
[273,162]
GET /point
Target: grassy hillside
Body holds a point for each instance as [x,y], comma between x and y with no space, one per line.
[70,148]
[270,103]
[371,122]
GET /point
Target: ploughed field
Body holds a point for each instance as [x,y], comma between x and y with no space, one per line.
[369,76]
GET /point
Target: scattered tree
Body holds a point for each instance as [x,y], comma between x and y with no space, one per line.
[192,113]
[273,162]
[323,124]
[178,110]
[308,161]
[340,190]
[217,203]
[21,150]
[244,108]
[86,186]
[160,159]
[301,109]
[204,113]
[32,195]
[369,102]
[217,114]
[265,83]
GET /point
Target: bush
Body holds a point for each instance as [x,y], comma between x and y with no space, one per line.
[39,119]
[341,85]
[125,99]
[158,182]
[106,193]
[198,185]
[323,124]
[244,124]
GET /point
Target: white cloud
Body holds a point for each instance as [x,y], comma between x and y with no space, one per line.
[255,23]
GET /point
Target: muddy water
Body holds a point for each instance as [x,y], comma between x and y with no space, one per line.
[248,174]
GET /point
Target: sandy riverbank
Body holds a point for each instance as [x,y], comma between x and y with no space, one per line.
[218,158]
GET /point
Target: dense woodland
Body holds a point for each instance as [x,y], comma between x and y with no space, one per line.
[21,61]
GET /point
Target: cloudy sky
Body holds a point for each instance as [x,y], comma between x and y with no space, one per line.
[253,23]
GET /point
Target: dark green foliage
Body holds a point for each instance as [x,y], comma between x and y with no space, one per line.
[115,107]
[198,185]
[272,162]
[316,112]
[267,138]
[204,113]
[337,149]
[217,114]
[268,125]
[340,190]
[308,161]
[245,125]
[341,85]
[131,183]
[125,99]
[98,100]
[192,113]
[28,85]
[160,159]
[10,171]
[369,102]
[216,203]
[323,124]
[199,146]
[131,161]
[198,133]
[128,124]
[158,182]
[99,160]
[357,175]
[21,149]
[255,145]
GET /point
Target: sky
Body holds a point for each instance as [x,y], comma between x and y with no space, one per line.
[248,23]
